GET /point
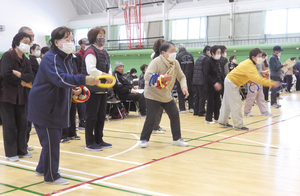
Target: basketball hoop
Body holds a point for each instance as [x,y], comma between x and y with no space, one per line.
[132,16]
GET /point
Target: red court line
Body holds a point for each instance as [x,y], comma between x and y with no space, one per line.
[172,155]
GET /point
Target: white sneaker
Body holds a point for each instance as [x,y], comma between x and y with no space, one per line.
[59,181]
[158,131]
[143,143]
[28,155]
[182,112]
[180,142]
[267,114]
[14,158]
[210,122]
[143,116]
[30,148]
[192,110]
[248,114]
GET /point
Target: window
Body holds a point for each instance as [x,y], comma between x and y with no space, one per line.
[81,33]
[293,20]
[282,21]
[134,33]
[193,28]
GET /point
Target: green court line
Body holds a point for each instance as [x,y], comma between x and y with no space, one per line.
[23,188]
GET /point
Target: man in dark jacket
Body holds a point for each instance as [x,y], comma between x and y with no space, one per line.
[297,74]
[125,90]
[186,61]
[198,77]
[275,73]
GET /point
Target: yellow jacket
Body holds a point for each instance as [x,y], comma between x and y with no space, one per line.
[245,72]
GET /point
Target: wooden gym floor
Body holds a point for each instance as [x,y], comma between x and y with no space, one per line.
[262,161]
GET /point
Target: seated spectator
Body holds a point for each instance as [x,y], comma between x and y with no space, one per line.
[141,78]
[132,75]
[125,90]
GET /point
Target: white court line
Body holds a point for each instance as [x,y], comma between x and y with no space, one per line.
[136,144]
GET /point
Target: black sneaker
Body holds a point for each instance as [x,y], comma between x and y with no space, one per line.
[76,137]
[226,125]
[105,145]
[81,124]
[242,129]
[64,141]
[94,147]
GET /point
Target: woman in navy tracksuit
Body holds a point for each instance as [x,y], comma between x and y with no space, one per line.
[50,100]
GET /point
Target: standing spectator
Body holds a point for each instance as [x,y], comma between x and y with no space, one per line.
[44,50]
[16,73]
[81,107]
[95,63]
[232,102]
[296,69]
[288,78]
[231,64]
[265,69]
[164,64]
[141,78]
[50,101]
[186,61]
[213,84]
[28,31]
[275,72]
[125,90]
[198,82]
[223,63]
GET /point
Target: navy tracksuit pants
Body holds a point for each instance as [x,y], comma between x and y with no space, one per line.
[49,158]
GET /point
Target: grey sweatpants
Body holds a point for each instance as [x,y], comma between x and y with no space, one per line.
[231,102]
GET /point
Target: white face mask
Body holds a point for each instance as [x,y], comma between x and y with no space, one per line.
[234,60]
[209,55]
[23,47]
[37,53]
[224,55]
[172,56]
[86,47]
[279,54]
[217,56]
[68,47]
[259,60]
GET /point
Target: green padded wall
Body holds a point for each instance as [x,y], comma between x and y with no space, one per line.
[135,58]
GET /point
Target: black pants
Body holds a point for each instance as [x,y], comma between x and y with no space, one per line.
[288,79]
[274,91]
[182,100]
[14,121]
[200,98]
[152,109]
[158,118]
[49,158]
[81,107]
[298,83]
[29,126]
[136,97]
[71,131]
[95,118]
[266,92]
[213,105]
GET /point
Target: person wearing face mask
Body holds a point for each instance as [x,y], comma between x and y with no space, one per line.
[275,73]
[223,63]
[257,95]
[132,75]
[296,69]
[141,83]
[50,100]
[232,101]
[213,78]
[81,107]
[16,73]
[231,64]
[186,61]
[198,83]
[30,33]
[265,74]
[95,63]
[165,64]
[288,76]
[35,52]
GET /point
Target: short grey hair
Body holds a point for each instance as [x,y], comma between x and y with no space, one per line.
[181,46]
[23,29]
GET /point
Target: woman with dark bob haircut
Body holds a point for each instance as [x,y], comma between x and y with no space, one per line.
[50,100]
[96,63]
[168,69]
[15,75]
